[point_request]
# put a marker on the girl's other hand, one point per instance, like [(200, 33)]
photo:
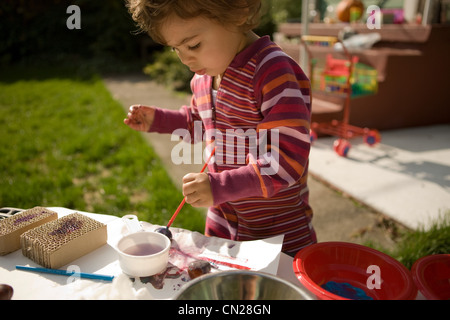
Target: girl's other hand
[(140, 118)]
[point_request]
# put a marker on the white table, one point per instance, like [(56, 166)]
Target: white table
[(30, 285)]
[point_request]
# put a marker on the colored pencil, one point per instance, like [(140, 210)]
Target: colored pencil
[(67, 273)]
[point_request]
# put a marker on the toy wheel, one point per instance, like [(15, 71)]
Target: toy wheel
[(372, 137), (312, 136), (341, 147)]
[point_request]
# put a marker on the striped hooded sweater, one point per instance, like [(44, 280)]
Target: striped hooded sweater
[(259, 123)]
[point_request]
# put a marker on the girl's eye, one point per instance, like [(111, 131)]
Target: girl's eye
[(194, 47)]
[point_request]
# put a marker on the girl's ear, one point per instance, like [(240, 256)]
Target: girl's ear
[(245, 17)]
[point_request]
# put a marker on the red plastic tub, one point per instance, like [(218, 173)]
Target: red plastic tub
[(352, 264), (432, 276)]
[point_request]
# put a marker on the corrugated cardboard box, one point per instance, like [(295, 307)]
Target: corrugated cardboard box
[(59, 242), (12, 227)]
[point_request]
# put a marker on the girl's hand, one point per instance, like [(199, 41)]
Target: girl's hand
[(197, 190), (140, 118)]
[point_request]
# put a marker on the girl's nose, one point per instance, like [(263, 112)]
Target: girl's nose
[(186, 58)]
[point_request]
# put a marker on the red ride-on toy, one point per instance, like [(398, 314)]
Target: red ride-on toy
[(344, 132), (331, 93)]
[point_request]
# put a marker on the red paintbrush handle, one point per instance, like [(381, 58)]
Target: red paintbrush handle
[(184, 199), (176, 212)]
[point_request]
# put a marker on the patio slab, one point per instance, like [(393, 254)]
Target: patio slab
[(406, 176)]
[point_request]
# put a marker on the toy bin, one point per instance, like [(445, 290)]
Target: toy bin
[(432, 276), (377, 275), (364, 80)]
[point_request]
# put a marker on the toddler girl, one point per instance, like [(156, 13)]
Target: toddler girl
[(253, 104)]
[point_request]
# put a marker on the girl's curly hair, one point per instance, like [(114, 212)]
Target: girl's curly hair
[(151, 14)]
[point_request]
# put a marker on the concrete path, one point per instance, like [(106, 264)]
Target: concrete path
[(406, 176)]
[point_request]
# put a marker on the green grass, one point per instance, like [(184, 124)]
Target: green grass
[(63, 143), (412, 245), (416, 244)]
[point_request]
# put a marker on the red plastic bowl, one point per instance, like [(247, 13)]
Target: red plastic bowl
[(345, 262), (432, 276)]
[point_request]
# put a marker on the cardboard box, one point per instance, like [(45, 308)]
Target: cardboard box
[(59, 242), (12, 227)]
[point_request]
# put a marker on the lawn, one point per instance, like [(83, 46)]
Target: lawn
[(415, 244), (63, 143)]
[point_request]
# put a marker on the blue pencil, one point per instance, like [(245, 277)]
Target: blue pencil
[(67, 273)]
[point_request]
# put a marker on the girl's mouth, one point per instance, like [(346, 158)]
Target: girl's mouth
[(200, 72)]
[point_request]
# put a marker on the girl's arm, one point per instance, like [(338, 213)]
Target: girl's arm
[(283, 91), (168, 121)]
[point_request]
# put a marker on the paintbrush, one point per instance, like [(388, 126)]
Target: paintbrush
[(165, 230)]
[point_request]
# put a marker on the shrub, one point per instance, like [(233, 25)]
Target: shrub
[(167, 69), (36, 30)]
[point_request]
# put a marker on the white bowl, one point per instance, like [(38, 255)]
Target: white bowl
[(146, 264)]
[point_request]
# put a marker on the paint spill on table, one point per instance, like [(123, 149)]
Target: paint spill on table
[(180, 256)]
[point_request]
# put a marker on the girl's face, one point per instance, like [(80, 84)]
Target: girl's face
[(205, 46)]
